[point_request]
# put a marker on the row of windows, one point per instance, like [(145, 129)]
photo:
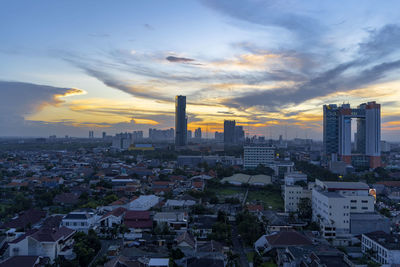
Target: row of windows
[(75, 224)]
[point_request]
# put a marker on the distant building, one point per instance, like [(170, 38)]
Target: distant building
[(219, 137), (104, 135), (255, 155), (337, 133), (180, 121), (161, 135), (189, 134), (385, 146), (137, 136), (197, 134), (91, 134), (239, 135), (229, 132)]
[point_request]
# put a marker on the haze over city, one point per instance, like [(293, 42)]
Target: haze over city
[(68, 67)]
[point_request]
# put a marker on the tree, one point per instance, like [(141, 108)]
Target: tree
[(305, 208), (249, 227), (221, 232), (86, 246), (176, 254)]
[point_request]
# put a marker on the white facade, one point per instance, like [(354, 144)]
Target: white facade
[(292, 196), (255, 155), (30, 246), (79, 220), (383, 252), (293, 177), (332, 203)]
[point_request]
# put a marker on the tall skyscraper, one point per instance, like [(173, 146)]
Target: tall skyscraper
[(197, 133), (91, 134), (180, 121), (229, 132), (337, 133), (239, 135)]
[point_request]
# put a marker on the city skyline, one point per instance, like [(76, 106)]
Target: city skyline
[(71, 67)]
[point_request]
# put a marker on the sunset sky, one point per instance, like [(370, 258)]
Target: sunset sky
[(67, 67)]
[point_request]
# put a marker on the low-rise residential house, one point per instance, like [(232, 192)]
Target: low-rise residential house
[(275, 222), (162, 187), (315, 255), (46, 242), (175, 220), (24, 261), (137, 222), (80, 220), (201, 262), (282, 239), (114, 217), (25, 219), (202, 225), (198, 184), (382, 247), (122, 261), (178, 204), (66, 199), (186, 241), (144, 202)]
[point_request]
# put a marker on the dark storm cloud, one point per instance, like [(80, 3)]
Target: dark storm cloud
[(19, 99)]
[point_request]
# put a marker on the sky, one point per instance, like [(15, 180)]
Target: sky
[(70, 66)]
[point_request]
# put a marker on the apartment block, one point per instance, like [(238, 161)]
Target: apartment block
[(333, 202)]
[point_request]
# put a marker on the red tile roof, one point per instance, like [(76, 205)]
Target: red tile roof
[(288, 238), (117, 212), (139, 224), (31, 216), (255, 207), (390, 183), (136, 215)]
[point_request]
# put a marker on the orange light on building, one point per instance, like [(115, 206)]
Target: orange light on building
[(372, 192)]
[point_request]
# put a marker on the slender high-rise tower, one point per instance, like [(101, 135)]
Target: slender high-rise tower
[(180, 121), (229, 132)]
